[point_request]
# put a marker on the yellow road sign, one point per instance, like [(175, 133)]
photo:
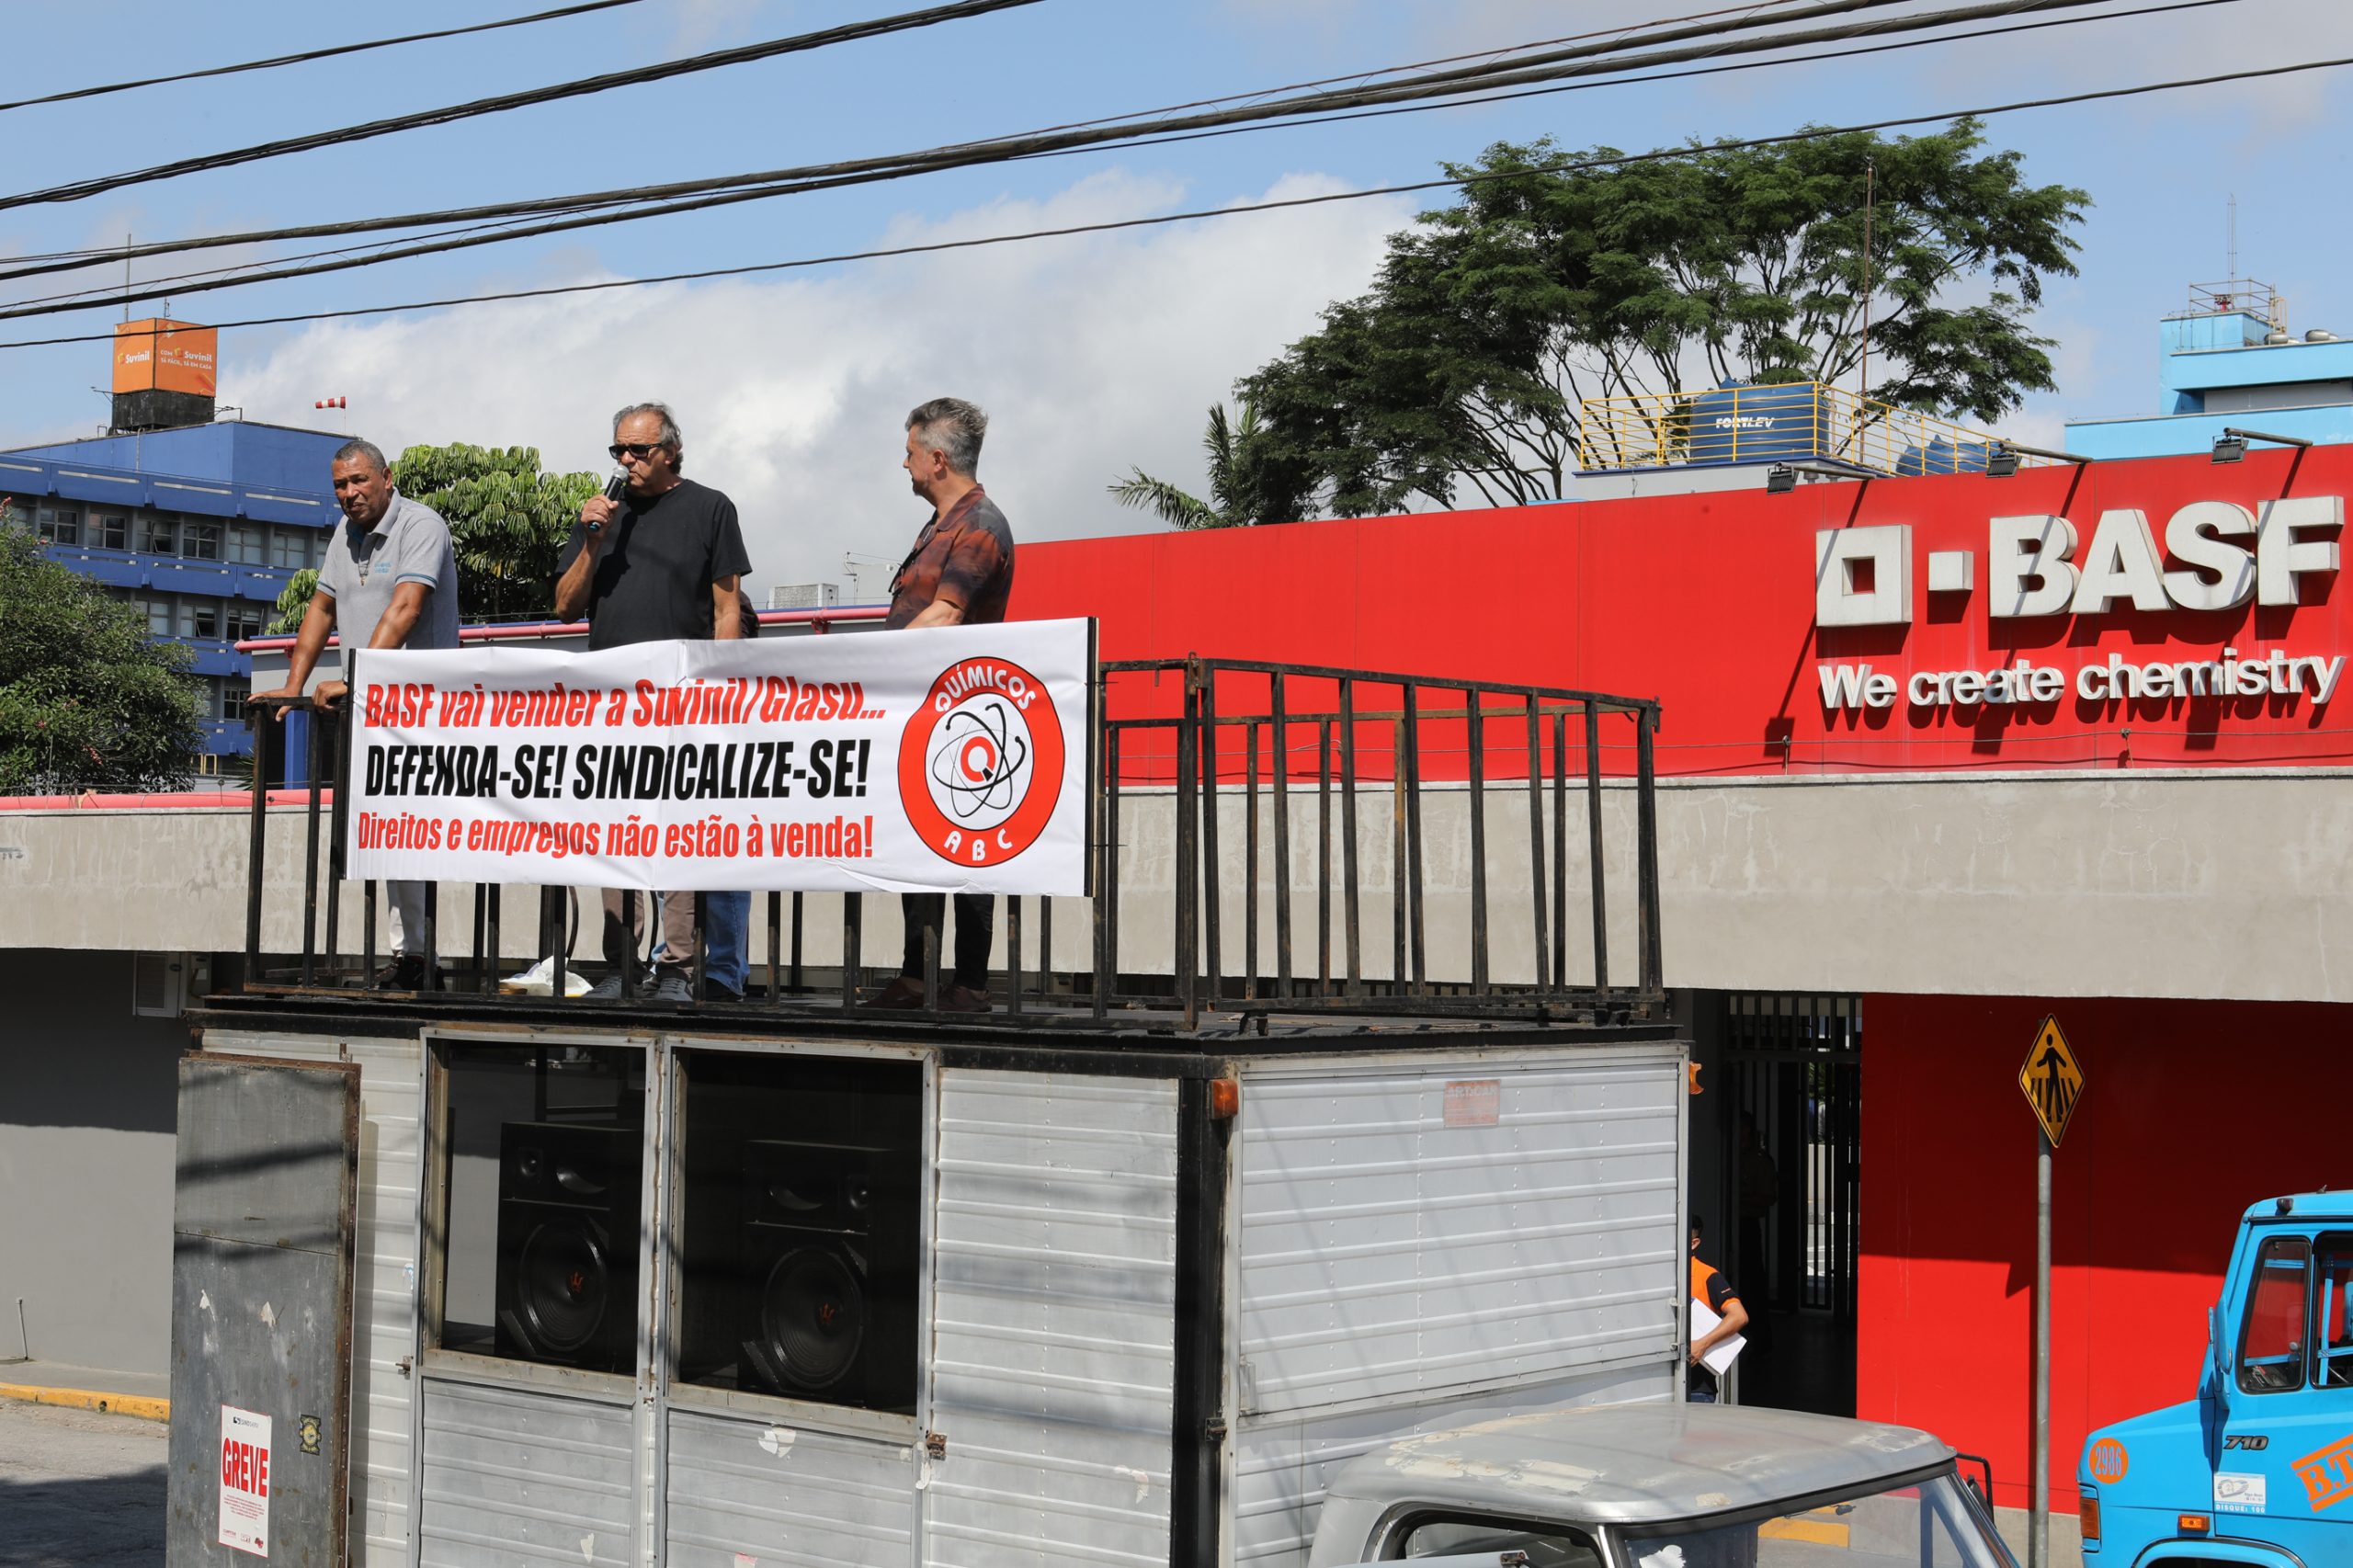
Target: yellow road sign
[(2052, 1081)]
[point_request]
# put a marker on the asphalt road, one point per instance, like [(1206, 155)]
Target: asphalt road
[(79, 1489)]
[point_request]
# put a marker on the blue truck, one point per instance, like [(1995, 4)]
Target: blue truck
[(2259, 1468)]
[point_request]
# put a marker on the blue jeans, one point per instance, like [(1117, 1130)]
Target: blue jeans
[(728, 943)]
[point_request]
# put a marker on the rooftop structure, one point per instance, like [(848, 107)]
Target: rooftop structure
[(2228, 361), (1717, 440)]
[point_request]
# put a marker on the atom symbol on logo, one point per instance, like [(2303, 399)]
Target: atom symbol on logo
[(977, 759)]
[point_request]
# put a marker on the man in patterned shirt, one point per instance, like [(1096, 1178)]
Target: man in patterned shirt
[(958, 574)]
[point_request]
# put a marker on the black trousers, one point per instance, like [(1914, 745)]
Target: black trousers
[(975, 934)]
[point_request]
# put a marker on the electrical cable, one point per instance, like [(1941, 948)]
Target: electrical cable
[(329, 52), (1751, 9), (1558, 63), (640, 194), (1162, 220), (636, 76), (109, 295)]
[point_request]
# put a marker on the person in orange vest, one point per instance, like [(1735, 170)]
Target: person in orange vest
[(1710, 1288)]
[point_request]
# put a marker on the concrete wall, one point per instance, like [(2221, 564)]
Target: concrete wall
[(87, 1110), (2223, 883)]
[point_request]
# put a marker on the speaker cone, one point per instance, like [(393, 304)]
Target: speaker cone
[(812, 1316), (566, 1278)]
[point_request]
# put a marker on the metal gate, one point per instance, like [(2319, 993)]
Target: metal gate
[(263, 1225), (1792, 1168)]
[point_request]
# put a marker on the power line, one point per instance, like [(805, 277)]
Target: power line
[(635, 75), (328, 53), (114, 253), (109, 295), (642, 201), (1162, 220), (1750, 9)]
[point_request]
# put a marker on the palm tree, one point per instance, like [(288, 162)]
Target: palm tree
[(1236, 497)]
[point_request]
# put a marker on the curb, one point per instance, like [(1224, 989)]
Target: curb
[(145, 1407)]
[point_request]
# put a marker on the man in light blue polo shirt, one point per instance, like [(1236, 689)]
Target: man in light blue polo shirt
[(390, 580)]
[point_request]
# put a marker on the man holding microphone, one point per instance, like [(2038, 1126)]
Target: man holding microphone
[(659, 561)]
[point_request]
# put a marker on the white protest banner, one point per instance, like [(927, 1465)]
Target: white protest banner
[(952, 759)]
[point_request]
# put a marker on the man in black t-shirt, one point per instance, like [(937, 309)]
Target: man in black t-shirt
[(660, 562)]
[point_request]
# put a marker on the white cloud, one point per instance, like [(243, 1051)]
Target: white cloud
[(1091, 353)]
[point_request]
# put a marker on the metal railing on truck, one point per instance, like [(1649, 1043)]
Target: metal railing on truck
[(1217, 739)]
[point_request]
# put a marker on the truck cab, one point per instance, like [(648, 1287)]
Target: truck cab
[(2259, 1468)]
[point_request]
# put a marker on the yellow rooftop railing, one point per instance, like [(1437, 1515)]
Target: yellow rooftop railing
[(1786, 422)]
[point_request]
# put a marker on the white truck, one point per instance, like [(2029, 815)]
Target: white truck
[(1661, 1486), (665, 1291)]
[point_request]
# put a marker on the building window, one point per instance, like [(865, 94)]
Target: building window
[(242, 621), (58, 525), (801, 1227), (290, 549), (159, 536), (110, 530), (200, 541), (200, 617), (159, 615), (539, 1180), (249, 544), (233, 699)]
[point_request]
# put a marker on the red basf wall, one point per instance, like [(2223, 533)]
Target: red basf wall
[(2166, 1149), (1708, 602)]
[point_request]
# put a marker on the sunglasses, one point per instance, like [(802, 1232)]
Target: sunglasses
[(621, 449)]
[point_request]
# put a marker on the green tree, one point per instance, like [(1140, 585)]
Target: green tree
[(87, 700), (293, 603), (1494, 317), (1244, 488), (508, 521)]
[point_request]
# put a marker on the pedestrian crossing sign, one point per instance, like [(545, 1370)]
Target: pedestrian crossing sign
[(2052, 1081)]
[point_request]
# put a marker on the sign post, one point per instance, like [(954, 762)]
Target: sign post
[(2053, 1085)]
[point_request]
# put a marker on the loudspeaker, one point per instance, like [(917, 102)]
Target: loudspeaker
[(568, 1201), (827, 1262)]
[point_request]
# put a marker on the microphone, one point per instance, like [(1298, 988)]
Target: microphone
[(614, 489)]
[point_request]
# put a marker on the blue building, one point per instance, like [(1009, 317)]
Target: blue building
[(201, 527), (2229, 360)]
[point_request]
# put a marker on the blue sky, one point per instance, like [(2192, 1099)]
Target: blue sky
[(1093, 353)]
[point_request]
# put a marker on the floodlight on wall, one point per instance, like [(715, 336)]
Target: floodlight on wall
[(1783, 477), (2230, 444), (2002, 462)]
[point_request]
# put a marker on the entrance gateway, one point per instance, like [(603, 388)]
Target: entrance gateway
[(1120, 1276)]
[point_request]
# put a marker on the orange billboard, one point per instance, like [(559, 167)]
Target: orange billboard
[(166, 356)]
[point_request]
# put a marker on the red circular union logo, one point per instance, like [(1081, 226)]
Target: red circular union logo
[(981, 762)]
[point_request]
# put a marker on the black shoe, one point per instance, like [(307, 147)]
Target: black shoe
[(405, 973), (670, 985), (902, 995), (606, 990), (723, 992), (965, 999)]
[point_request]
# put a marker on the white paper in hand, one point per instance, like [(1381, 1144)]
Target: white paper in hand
[(1704, 1319)]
